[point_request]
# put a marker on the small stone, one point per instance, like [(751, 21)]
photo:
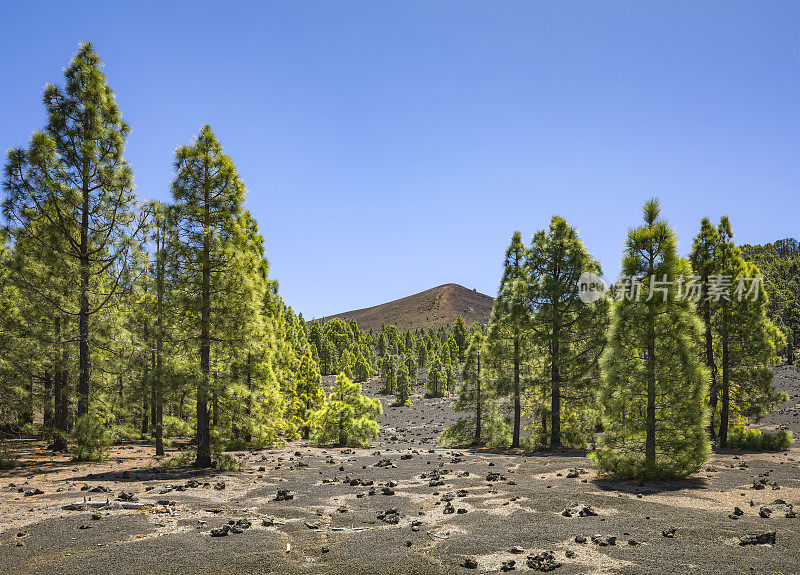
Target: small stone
[(509, 565), (469, 563), (767, 538)]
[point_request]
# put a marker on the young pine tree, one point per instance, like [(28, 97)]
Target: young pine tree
[(654, 383), (388, 375), (507, 330), (703, 258), (436, 379), (411, 366), (483, 425), (361, 369), (748, 341), (310, 395), (460, 337), (348, 416), (403, 385)]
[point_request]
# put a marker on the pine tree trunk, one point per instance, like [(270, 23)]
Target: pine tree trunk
[(478, 402), (145, 394), (724, 412), (47, 399), (650, 440), (26, 414), (555, 393), (60, 388), (517, 403), (248, 409), (153, 389), (84, 364), (203, 428), (159, 402), (158, 374), (712, 366)]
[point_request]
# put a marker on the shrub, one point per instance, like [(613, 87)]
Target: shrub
[(177, 427), (495, 432), (742, 438), (226, 462), (348, 416), (30, 430), (91, 439), (123, 433), (7, 459), (185, 459)]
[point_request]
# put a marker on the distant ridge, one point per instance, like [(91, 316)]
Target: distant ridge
[(431, 308)]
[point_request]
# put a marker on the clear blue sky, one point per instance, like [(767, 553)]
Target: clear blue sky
[(389, 147)]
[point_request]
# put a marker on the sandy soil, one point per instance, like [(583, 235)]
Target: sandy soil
[(337, 522)]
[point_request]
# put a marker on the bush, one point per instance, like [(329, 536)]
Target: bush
[(226, 462), (7, 459), (91, 439), (495, 432), (185, 459), (123, 433), (177, 427), (348, 416), (30, 430), (743, 438)]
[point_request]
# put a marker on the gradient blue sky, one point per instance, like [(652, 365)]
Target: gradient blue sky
[(389, 147)]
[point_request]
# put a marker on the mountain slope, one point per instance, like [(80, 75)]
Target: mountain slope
[(431, 308)]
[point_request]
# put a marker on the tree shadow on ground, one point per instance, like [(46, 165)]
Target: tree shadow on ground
[(541, 453), (634, 487)]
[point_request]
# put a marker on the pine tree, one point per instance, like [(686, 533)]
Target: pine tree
[(74, 179), (654, 383), (388, 375), (508, 326), (310, 394), (569, 331), (703, 264), (460, 337), (383, 344), (422, 352), (361, 369), (348, 416), (436, 379), (483, 425), (205, 220), (748, 341), (403, 385), (411, 366)]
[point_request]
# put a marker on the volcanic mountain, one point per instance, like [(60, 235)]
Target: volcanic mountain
[(431, 308)]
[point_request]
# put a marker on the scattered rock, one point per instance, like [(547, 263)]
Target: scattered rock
[(579, 510), (545, 561), (509, 565), (767, 538), (284, 495)]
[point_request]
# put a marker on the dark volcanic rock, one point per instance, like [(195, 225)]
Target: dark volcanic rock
[(767, 538), (579, 510), (544, 561)]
